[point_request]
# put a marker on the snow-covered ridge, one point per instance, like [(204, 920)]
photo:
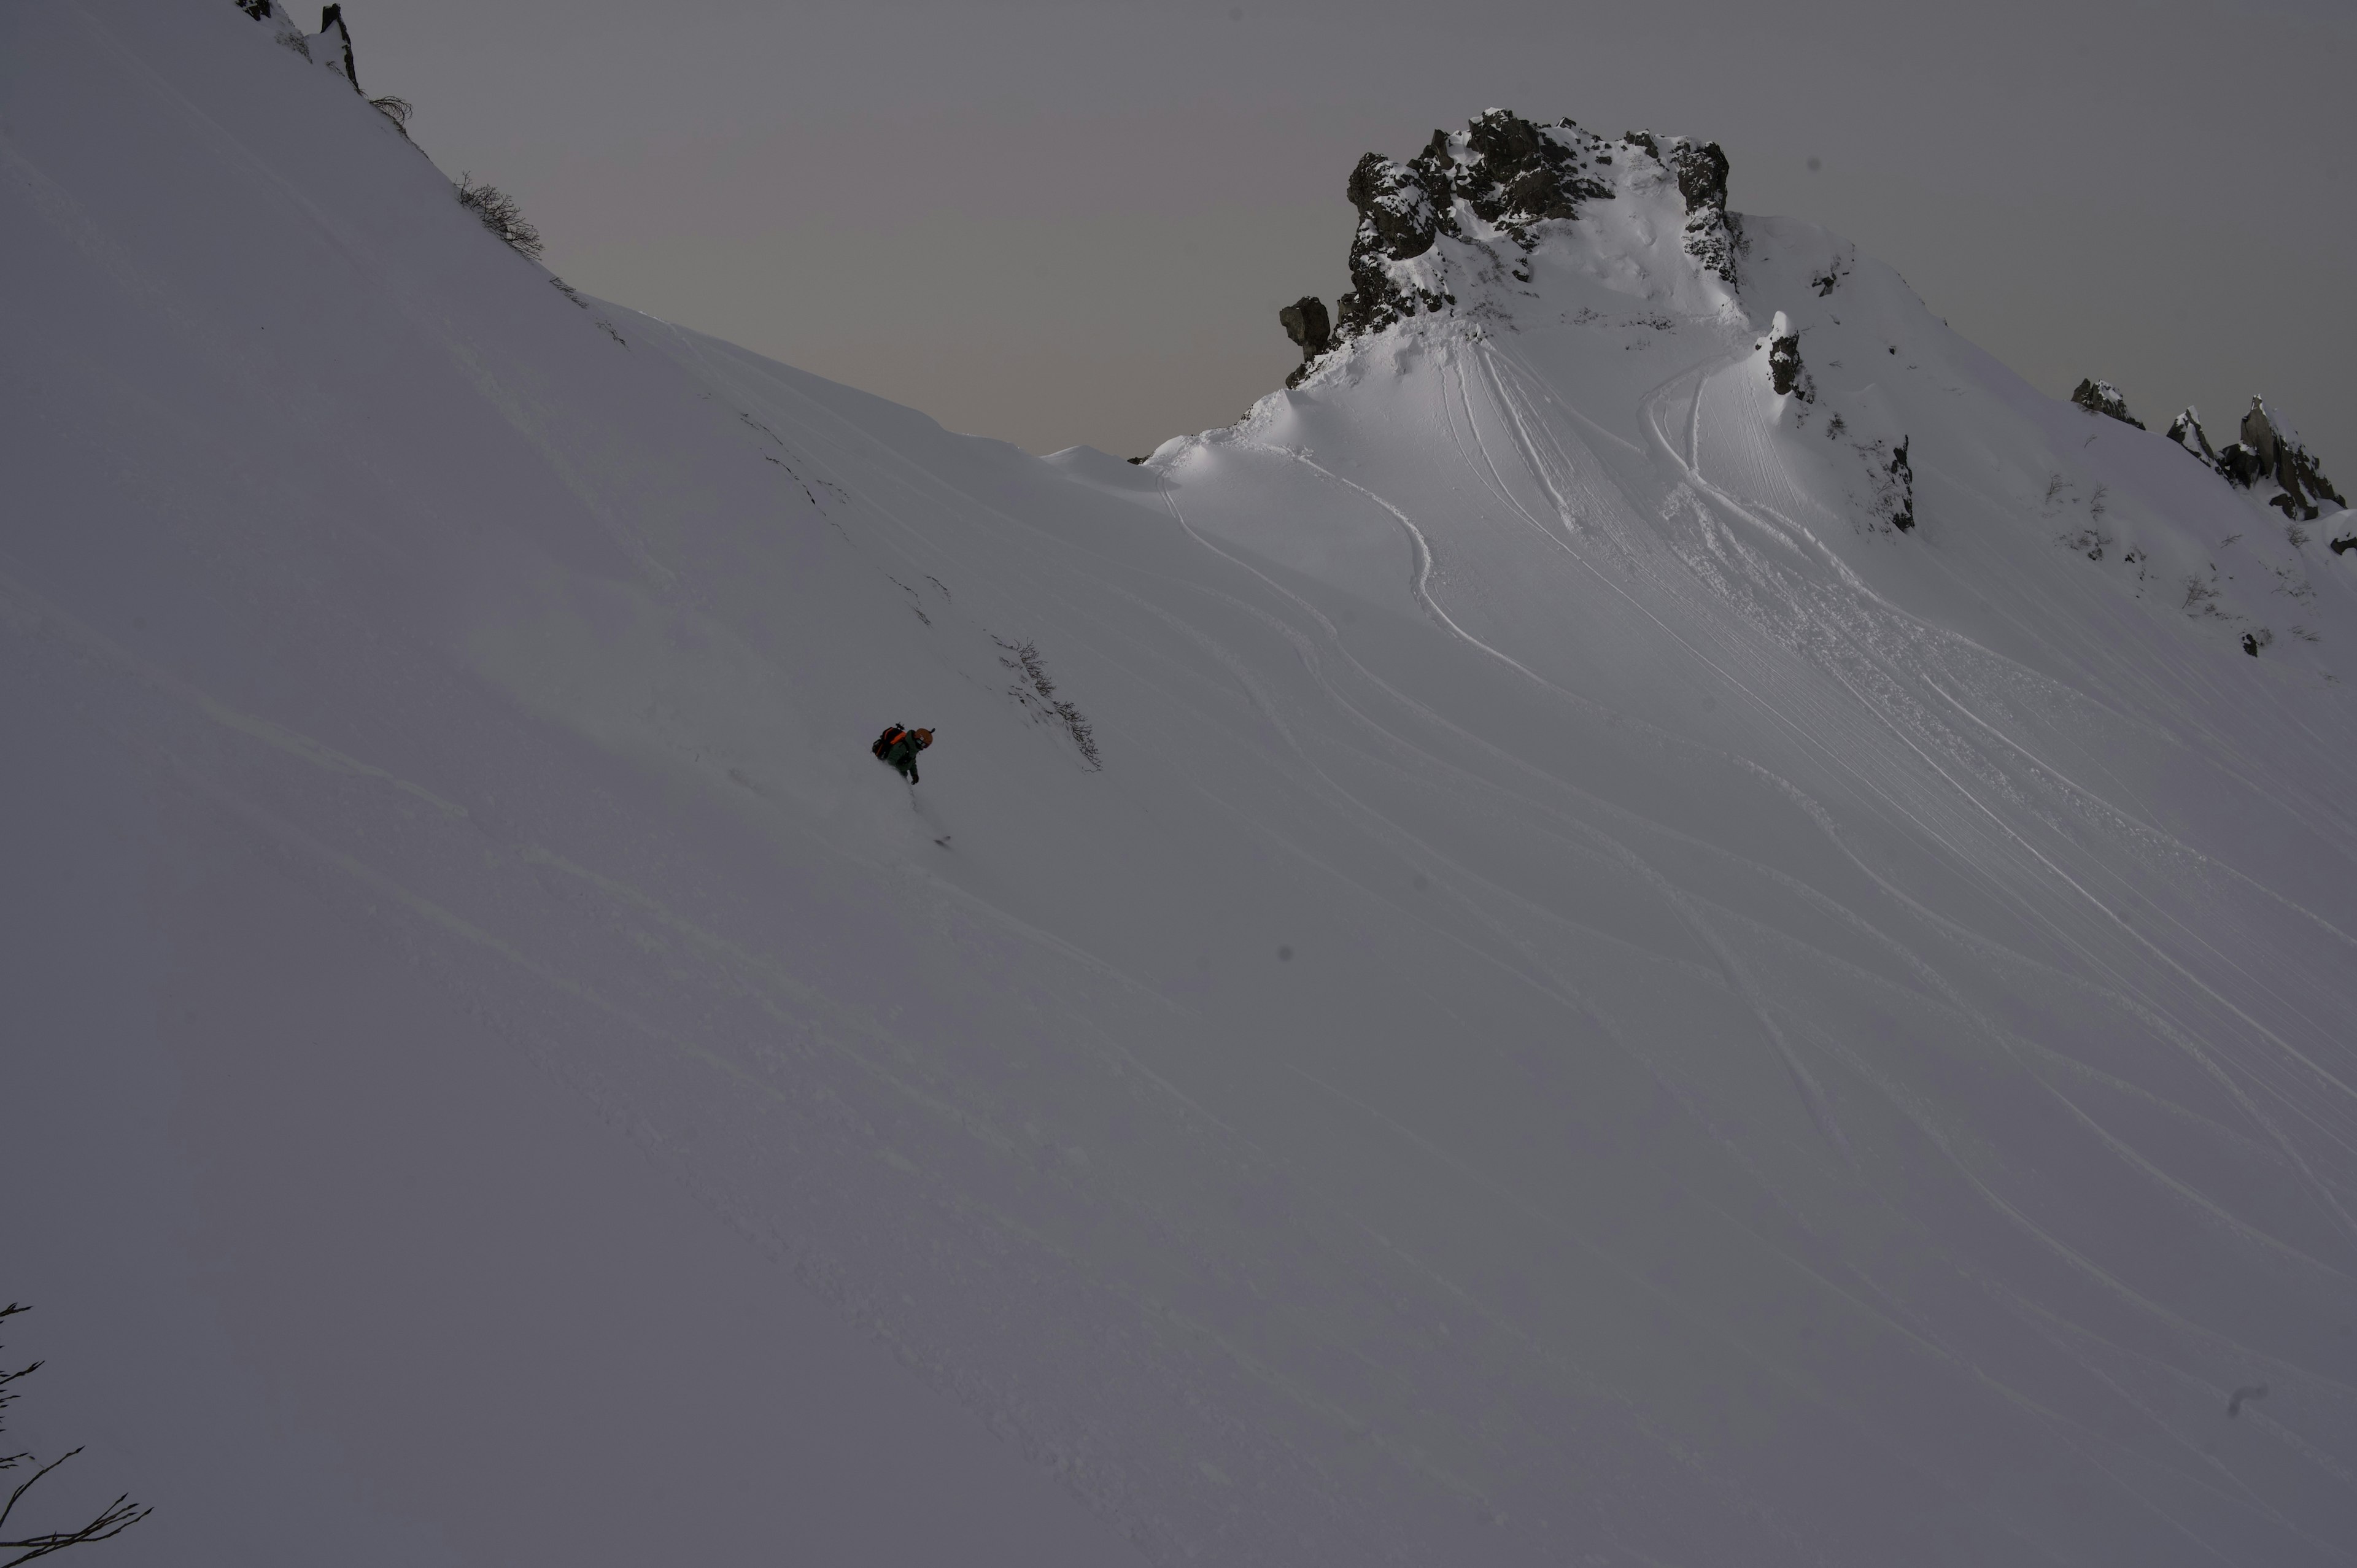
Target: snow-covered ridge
[(1578, 249)]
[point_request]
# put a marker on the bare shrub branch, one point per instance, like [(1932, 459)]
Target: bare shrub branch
[(114, 1519), (501, 214)]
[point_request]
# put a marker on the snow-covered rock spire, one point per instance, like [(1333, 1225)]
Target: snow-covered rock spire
[(332, 45), (2187, 432), (2271, 453)]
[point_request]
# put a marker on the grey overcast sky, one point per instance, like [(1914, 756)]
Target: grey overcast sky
[(1059, 222)]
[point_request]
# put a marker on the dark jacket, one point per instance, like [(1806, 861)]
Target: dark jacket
[(902, 754)]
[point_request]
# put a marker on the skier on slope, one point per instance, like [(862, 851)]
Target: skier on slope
[(899, 746)]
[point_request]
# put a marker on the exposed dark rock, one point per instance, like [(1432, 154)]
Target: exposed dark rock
[(1511, 174), (1785, 371), (335, 35), (1714, 235), (2339, 546), (2187, 432), (1306, 323), (2101, 397), (1397, 223), (1396, 210), (1520, 174), (257, 9), (1902, 473), (2269, 452)]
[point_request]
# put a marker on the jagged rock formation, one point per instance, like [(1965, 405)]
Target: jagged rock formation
[(332, 45), (1398, 221), (2271, 452), (1713, 234), (2187, 432), (1305, 321), (2101, 397), (1499, 181)]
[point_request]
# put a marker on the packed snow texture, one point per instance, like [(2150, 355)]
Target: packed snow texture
[(1606, 1001)]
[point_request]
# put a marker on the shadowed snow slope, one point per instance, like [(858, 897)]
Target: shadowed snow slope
[(1610, 1002)]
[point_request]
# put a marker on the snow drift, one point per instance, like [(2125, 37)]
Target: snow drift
[(1659, 918)]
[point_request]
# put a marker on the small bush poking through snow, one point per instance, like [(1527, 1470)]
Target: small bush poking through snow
[(397, 110), (500, 213), (1042, 701)]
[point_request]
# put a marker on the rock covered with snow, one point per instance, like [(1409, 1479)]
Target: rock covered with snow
[(1785, 371), (2101, 397), (332, 45), (1494, 193), (2187, 432), (2271, 453)]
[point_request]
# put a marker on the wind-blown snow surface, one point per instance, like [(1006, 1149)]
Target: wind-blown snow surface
[(1603, 1006)]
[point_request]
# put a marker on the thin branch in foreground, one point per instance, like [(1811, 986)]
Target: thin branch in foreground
[(113, 1520)]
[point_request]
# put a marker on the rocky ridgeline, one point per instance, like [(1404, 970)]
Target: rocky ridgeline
[(2270, 454), (1496, 181)]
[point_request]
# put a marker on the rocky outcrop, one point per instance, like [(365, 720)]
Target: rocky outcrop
[(1305, 321), (1714, 235), (1785, 371), (332, 45), (2271, 453), (1398, 221), (2187, 432), (1519, 175), (1502, 178), (1902, 480), (2101, 397)]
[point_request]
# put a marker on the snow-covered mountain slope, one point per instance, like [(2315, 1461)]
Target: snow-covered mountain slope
[(1493, 965)]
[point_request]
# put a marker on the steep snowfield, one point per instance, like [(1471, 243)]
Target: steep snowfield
[(1604, 1004)]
